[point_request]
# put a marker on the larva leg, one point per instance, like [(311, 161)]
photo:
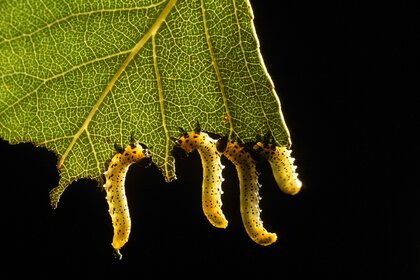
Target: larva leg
[(282, 166), (249, 197), (212, 174), (115, 192)]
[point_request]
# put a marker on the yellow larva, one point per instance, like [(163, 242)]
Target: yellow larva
[(282, 166), (115, 192), (212, 174), (249, 197)]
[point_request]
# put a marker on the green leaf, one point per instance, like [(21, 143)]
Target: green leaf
[(78, 77)]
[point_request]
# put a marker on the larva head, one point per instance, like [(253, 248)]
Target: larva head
[(263, 149), (188, 141), (221, 144), (134, 152)]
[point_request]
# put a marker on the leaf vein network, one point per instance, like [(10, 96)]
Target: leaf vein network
[(73, 15)]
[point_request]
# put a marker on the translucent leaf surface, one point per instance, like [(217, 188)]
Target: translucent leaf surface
[(78, 77)]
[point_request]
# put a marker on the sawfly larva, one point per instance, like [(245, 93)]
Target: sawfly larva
[(212, 174), (281, 163), (115, 192), (249, 193)]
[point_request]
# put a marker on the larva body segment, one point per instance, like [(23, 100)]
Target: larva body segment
[(249, 194), (115, 191), (212, 174), (282, 166)]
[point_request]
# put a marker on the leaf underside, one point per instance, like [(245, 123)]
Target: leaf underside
[(78, 77)]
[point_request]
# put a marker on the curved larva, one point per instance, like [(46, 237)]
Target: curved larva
[(212, 174), (249, 197), (115, 192), (282, 166)]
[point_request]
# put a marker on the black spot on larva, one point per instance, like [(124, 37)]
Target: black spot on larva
[(197, 128), (144, 148), (118, 148)]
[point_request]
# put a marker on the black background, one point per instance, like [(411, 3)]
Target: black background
[(357, 216)]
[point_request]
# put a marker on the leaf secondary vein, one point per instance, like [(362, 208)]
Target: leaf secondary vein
[(216, 69), (254, 83), (92, 145), (56, 76), (66, 18), (161, 106), (140, 44)]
